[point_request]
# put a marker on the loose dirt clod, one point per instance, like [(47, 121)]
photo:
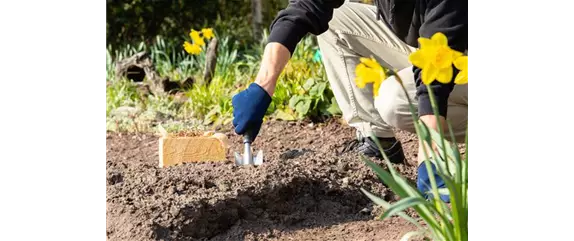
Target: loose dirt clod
[(312, 196)]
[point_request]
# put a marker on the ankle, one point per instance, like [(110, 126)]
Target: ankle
[(360, 136)]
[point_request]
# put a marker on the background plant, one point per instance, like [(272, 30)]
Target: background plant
[(302, 90)]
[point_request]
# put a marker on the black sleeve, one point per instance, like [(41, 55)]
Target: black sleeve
[(449, 17), (299, 18)]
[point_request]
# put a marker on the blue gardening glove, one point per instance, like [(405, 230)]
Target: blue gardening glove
[(424, 185), (249, 107)]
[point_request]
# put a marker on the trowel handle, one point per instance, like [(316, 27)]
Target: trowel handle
[(248, 136)]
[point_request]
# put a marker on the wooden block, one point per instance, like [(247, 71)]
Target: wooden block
[(176, 150)]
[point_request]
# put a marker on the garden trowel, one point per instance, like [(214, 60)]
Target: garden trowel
[(247, 158)]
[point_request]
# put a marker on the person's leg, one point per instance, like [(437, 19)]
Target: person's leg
[(354, 32)]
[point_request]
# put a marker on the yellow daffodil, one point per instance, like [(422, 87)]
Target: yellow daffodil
[(369, 71), (194, 35), (376, 86), (207, 33), (191, 48), (461, 63), (435, 58), (361, 71)]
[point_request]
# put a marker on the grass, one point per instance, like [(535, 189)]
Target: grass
[(302, 90)]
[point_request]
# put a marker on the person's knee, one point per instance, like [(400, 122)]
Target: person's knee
[(394, 115), (386, 110), (392, 104), (386, 103)]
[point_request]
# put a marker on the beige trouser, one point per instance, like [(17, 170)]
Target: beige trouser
[(354, 32)]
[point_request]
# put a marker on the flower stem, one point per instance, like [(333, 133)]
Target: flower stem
[(440, 130), (417, 129)]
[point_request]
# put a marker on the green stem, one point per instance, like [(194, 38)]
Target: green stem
[(439, 125), (425, 151), (426, 155)]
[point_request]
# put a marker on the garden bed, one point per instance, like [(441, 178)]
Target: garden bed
[(305, 190)]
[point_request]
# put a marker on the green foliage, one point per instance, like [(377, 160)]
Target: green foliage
[(310, 99), (302, 90), (212, 103), (442, 222), (120, 93)]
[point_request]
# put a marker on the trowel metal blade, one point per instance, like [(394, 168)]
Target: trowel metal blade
[(258, 160), (238, 159)]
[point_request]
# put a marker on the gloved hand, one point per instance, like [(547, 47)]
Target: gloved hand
[(424, 184), (249, 107)]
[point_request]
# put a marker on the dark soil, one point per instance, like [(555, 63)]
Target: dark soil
[(305, 190)]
